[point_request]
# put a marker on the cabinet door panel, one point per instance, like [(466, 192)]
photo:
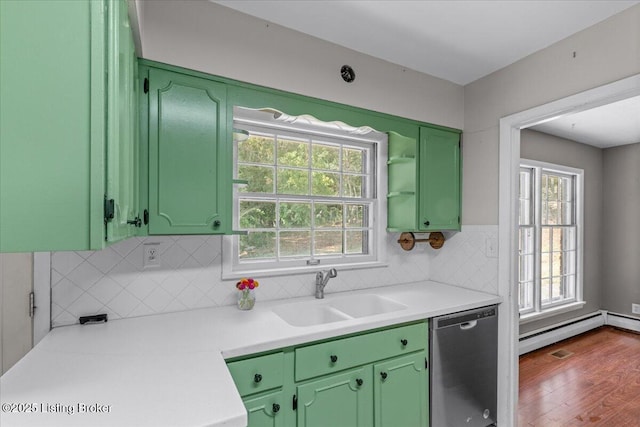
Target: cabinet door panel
[(265, 411), (439, 185), (122, 161), (400, 394), (187, 126), (337, 400), (51, 125)]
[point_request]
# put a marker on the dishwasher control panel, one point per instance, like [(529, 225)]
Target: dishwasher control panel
[(457, 318)]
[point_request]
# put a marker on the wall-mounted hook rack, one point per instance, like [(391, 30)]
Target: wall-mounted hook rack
[(408, 240)]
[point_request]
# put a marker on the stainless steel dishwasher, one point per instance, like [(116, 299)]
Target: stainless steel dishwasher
[(464, 367)]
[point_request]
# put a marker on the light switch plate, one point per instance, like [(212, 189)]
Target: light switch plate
[(151, 255), (491, 247), (635, 308)]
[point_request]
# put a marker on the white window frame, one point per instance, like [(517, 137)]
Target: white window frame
[(538, 311), (322, 131)]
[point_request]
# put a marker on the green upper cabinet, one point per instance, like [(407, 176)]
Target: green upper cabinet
[(65, 69), (439, 180), (424, 181), (122, 140), (189, 155)]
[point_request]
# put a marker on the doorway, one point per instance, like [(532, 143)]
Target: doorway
[(509, 167)]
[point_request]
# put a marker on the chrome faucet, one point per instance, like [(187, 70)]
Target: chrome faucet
[(322, 277)]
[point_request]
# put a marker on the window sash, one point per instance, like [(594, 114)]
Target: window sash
[(365, 174), (556, 243)]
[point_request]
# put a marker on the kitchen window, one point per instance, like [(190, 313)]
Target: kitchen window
[(550, 238), (305, 193)]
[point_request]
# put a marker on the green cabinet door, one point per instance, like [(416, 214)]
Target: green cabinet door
[(265, 411), (439, 180), (340, 400), (189, 167), (400, 392), (60, 112), (122, 159)]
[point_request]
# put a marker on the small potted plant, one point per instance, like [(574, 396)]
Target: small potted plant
[(246, 296)]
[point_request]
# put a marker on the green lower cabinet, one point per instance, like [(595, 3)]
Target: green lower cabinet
[(370, 379), (340, 400), (266, 411), (401, 392)]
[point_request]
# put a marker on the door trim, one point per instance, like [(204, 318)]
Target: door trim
[(509, 166)]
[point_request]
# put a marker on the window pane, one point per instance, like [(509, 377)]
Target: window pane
[(525, 295), (293, 152), (567, 213), (257, 149), (352, 186), (327, 242), (357, 242), (553, 213), (325, 184), (525, 213), (353, 160), (327, 215), (260, 179), (569, 265), (556, 288), (568, 238), (257, 244), (325, 157), (295, 243), (357, 216), (556, 266), (257, 214), (295, 215), (545, 291), (293, 181), (545, 264)]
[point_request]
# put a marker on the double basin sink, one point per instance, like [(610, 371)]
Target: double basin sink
[(318, 312)]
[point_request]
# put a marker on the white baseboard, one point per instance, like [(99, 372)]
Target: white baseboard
[(546, 336), (623, 321), (552, 334)]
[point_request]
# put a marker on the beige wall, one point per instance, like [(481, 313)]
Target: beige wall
[(621, 229), (211, 38), (548, 148), (604, 53)]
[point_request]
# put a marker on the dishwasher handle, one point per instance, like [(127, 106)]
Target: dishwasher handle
[(468, 325)]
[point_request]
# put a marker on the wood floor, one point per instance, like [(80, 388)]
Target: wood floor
[(597, 385)]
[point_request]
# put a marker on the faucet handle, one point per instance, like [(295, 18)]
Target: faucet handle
[(332, 273)]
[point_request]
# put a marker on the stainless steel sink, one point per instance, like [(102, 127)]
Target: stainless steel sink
[(309, 313)]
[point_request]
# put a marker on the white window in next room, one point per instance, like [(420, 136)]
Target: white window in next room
[(550, 239)]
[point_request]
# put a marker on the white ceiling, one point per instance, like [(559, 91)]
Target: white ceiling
[(607, 126), (460, 41)]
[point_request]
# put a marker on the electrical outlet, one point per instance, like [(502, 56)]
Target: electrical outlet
[(151, 255), (635, 308)]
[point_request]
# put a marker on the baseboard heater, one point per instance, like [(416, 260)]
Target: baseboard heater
[(546, 336)]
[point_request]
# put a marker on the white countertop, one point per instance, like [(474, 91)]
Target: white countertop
[(169, 369)]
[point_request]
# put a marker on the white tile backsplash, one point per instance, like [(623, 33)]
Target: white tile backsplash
[(114, 281)]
